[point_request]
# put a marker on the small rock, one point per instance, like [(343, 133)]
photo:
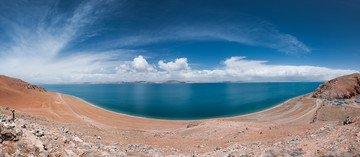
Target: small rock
[(86, 146), (70, 152), (236, 154), (77, 139), (99, 137), (8, 136), (40, 134), (66, 141), (9, 125), (19, 132), (105, 154), (296, 152)]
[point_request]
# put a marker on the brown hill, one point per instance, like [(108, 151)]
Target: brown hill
[(25, 97), (344, 87), (17, 84)]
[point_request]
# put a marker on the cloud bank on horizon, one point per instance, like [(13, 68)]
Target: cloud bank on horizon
[(233, 69), (80, 41)]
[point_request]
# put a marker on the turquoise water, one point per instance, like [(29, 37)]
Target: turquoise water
[(186, 101)]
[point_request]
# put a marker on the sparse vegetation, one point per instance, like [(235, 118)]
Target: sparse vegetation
[(347, 120)]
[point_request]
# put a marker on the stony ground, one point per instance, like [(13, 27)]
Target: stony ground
[(330, 140), (36, 136)]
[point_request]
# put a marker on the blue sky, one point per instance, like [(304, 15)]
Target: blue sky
[(106, 40)]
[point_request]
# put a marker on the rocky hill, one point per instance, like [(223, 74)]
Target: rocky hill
[(344, 87)]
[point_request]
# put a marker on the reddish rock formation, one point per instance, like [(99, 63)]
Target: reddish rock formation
[(344, 87), (13, 83)]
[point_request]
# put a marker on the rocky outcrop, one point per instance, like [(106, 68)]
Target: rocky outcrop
[(344, 87)]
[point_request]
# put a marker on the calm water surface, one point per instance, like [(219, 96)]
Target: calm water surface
[(186, 101)]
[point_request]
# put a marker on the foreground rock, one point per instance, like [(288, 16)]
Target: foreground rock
[(344, 87)]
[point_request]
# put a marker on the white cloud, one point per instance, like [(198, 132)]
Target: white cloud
[(234, 69), (137, 70), (248, 70), (141, 65), (179, 65), (138, 65)]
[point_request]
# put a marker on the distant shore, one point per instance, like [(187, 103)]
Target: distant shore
[(175, 82)]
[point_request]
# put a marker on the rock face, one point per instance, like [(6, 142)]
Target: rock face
[(344, 87)]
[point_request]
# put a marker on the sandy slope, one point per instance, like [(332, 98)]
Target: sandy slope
[(297, 116)]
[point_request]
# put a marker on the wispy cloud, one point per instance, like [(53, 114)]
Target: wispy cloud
[(255, 33), (33, 50)]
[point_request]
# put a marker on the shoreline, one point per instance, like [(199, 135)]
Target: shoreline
[(158, 119), (276, 106)]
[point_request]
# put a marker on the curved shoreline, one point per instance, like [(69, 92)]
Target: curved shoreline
[(273, 107), (158, 119)]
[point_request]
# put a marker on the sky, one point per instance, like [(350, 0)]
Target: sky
[(66, 41)]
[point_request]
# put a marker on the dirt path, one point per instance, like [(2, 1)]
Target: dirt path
[(86, 119), (315, 109)]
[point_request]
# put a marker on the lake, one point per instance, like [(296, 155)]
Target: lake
[(187, 101)]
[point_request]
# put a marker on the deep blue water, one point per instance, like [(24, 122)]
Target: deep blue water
[(186, 101)]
